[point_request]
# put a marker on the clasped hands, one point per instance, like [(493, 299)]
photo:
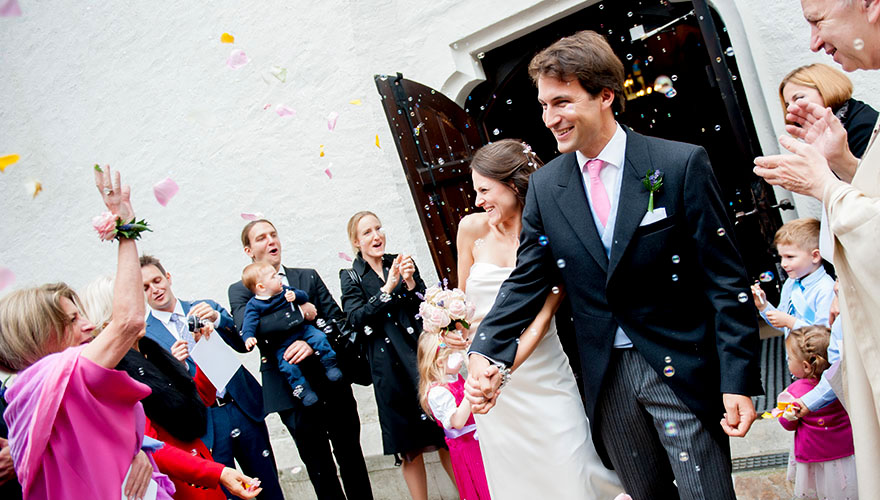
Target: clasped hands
[(483, 384), (809, 170)]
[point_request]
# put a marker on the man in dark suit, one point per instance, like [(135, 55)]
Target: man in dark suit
[(665, 332), (334, 419), (236, 422)]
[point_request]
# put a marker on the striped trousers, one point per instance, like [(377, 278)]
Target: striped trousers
[(653, 438)]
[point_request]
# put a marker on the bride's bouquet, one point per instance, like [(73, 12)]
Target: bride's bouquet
[(443, 310)]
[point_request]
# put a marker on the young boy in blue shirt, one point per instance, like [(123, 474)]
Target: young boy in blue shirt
[(271, 295), (807, 293)]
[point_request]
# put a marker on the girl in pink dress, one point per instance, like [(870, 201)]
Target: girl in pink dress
[(441, 393), (823, 465)]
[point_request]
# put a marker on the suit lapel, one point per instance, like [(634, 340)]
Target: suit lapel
[(633, 201), (157, 331), (572, 201)]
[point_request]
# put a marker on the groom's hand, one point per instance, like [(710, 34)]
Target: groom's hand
[(739, 413), (483, 384)]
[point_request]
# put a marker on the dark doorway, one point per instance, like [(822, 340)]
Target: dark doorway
[(682, 84)]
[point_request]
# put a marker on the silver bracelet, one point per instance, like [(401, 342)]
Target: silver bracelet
[(504, 371)]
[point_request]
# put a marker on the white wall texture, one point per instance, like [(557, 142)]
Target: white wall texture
[(144, 87)]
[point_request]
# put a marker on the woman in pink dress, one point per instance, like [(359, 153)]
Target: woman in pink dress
[(76, 425)]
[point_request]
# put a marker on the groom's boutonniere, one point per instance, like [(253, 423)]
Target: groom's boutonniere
[(653, 181)]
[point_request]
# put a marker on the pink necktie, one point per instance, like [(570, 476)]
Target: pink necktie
[(598, 195)]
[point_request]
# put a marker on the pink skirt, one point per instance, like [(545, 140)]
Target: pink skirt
[(467, 465), (831, 480)]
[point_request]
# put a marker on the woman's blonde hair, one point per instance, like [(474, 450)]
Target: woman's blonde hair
[(97, 302), (33, 324), (432, 366), (810, 344), (353, 227), (834, 87)]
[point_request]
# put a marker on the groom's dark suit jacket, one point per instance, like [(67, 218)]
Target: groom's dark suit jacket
[(696, 320)]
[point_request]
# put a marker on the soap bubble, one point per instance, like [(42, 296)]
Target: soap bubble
[(409, 330), (629, 14), (720, 231), (266, 453), (510, 101), (670, 428), (717, 128), (235, 433), (676, 259), (674, 277), (766, 277), (555, 290), (368, 330), (387, 340), (729, 51), (496, 132), (671, 93), (560, 263), (742, 297), (668, 359), (424, 417), (674, 78), (542, 240), (683, 456), (669, 371), (858, 44), (629, 57), (481, 55)]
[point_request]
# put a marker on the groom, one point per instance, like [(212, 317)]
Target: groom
[(667, 338)]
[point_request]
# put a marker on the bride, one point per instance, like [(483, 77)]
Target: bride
[(536, 440)]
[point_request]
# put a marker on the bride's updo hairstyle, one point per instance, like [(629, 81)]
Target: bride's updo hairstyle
[(509, 162)]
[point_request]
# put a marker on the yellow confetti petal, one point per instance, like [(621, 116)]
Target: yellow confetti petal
[(227, 38), (322, 151), (33, 188), (356, 102), (5, 161), (377, 142)]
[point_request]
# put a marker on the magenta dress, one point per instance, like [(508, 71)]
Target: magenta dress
[(464, 448), (74, 428)]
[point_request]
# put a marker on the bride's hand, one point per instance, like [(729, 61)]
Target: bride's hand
[(483, 384), (117, 198)]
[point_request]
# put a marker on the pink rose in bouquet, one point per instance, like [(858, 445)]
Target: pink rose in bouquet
[(105, 225)]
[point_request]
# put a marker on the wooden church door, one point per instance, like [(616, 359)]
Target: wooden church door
[(436, 140)]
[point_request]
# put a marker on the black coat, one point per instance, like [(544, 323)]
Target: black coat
[(277, 393), (696, 319), (390, 332), (174, 404), (858, 119)]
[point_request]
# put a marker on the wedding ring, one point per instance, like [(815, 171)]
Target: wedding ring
[(108, 191)]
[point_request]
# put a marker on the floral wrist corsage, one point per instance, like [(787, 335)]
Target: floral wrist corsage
[(109, 226)]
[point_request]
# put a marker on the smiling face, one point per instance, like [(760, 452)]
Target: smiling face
[(370, 237), (157, 288), (579, 121), (835, 28), (496, 198), (798, 262), (795, 92), (264, 245), (79, 329)]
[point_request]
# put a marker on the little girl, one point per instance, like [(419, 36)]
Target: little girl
[(441, 393), (823, 465)]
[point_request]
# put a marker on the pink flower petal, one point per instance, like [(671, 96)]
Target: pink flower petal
[(237, 59), (267, 107), (345, 256), (283, 110), (331, 120), (329, 174), (252, 216), (7, 277), (9, 8), (164, 190)]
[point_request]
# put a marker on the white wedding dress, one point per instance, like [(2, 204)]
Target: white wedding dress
[(536, 440)]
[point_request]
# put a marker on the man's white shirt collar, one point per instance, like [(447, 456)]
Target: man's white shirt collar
[(165, 316), (612, 154)]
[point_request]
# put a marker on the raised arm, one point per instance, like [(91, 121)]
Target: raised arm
[(127, 323)]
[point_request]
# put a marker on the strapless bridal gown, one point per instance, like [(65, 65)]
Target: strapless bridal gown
[(536, 440)]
